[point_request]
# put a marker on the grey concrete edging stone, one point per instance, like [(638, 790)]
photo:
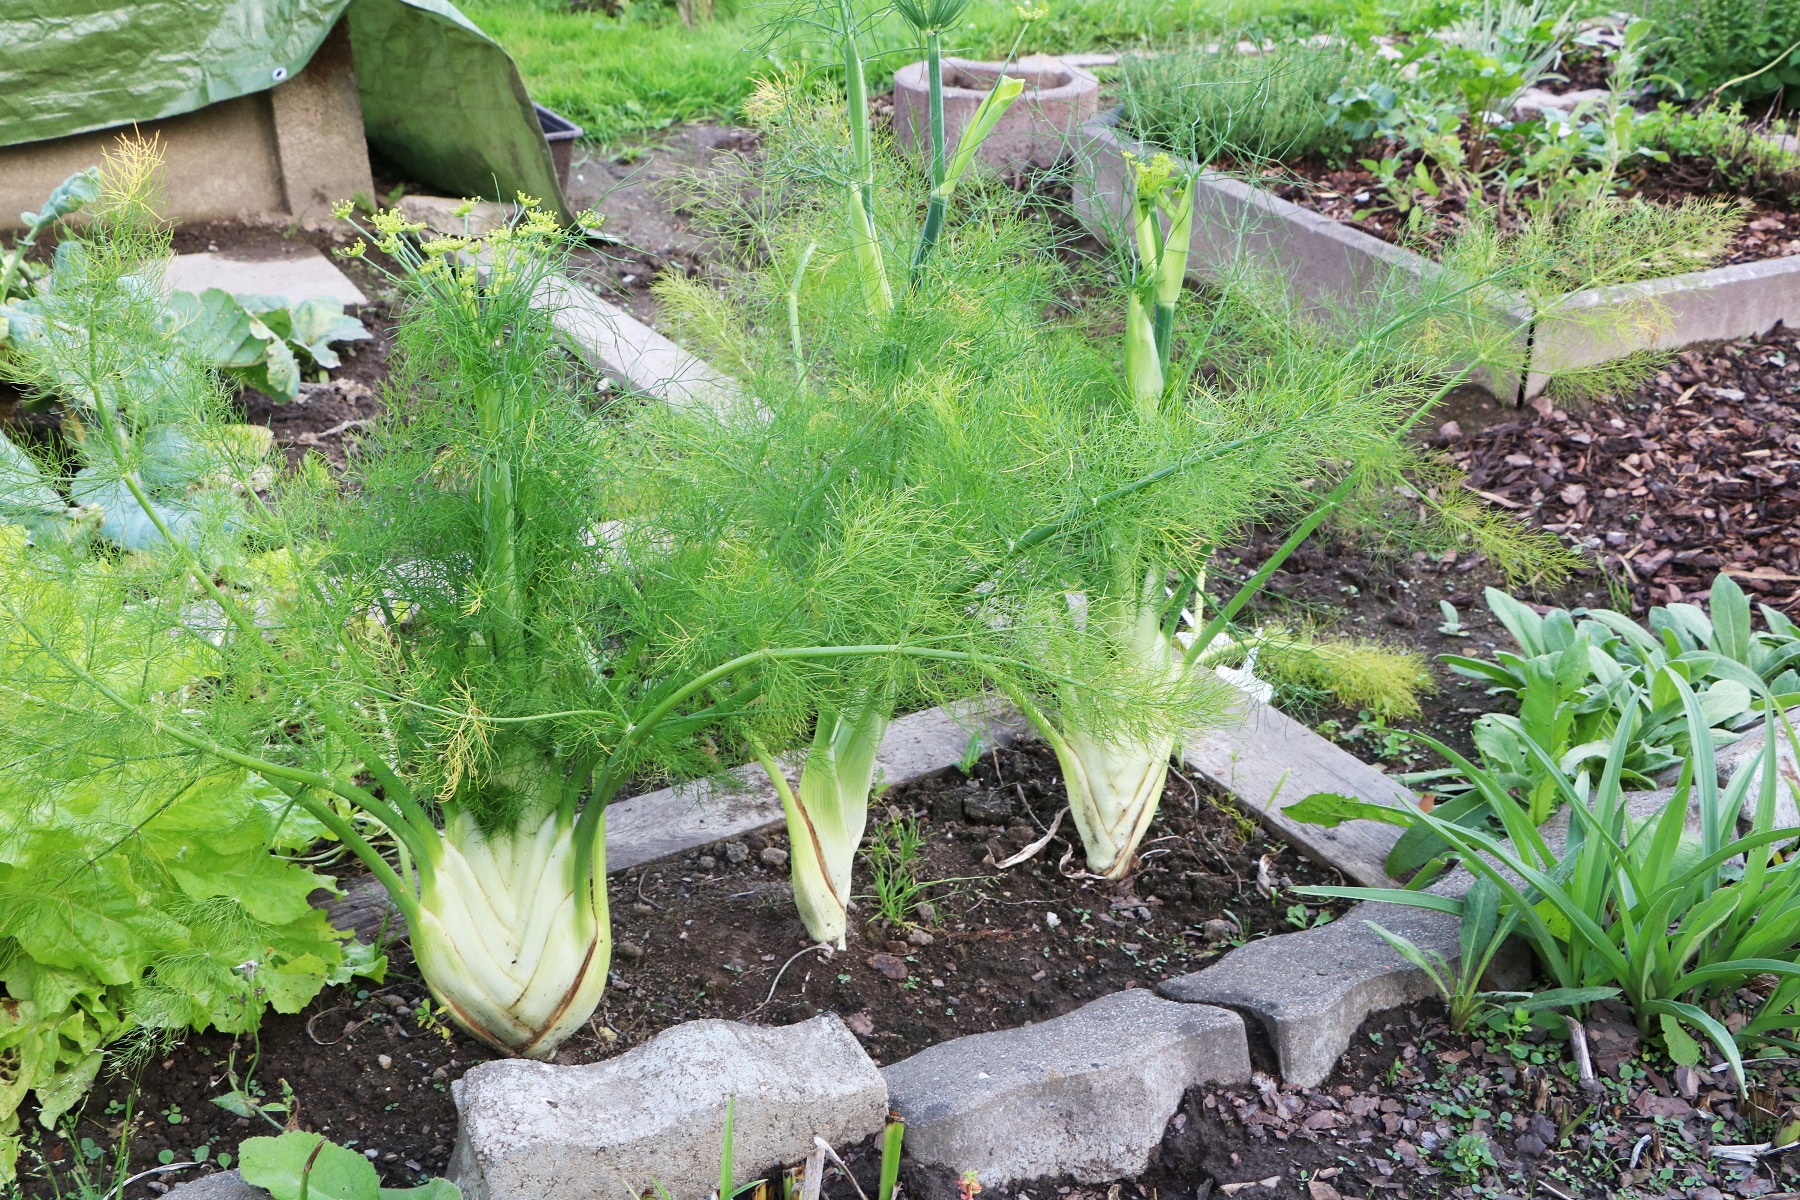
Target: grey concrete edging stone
[(1087, 1094), (630, 353), (1059, 96), (656, 1114), (220, 1185), (1311, 990), (1334, 267)]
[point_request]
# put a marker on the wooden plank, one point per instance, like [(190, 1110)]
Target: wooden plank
[(1269, 761)]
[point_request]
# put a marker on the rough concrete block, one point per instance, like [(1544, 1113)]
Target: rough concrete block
[(219, 162), (1311, 990), (1087, 1094), (220, 1185), (1598, 325), (319, 131), (534, 1131), (299, 273), (1035, 132)]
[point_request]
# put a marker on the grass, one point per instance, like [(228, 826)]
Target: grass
[(645, 70)]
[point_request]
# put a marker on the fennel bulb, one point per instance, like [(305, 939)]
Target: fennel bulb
[(512, 934)]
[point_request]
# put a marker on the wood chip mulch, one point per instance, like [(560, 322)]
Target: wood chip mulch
[(1695, 473)]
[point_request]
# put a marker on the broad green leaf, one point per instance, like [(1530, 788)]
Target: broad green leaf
[(331, 1172), (1682, 1048), (291, 986), (1331, 810), (435, 1189), (319, 322), (218, 328), (23, 488), (1730, 619)]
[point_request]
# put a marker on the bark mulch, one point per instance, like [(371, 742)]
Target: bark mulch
[(1696, 473), (1415, 1110)]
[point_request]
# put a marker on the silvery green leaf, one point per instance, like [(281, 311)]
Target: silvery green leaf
[(218, 328), (23, 488), (319, 322), (123, 519)]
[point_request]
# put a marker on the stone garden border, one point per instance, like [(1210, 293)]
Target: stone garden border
[(1335, 267), (1087, 1094)]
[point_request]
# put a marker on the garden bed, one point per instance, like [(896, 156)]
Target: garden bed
[(715, 934), (1694, 473), (1352, 195)]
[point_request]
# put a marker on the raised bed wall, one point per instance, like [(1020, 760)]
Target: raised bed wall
[(1334, 268)]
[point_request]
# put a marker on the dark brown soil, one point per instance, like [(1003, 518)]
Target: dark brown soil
[(715, 934), (325, 417), (705, 937), (1352, 195)]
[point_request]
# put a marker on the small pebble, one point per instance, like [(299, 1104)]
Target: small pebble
[(707, 862), (775, 857), (919, 937), (629, 951), (736, 853), (1051, 920), (440, 1075), (1218, 930), (383, 1061)]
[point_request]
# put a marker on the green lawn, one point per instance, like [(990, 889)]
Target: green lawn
[(622, 76)]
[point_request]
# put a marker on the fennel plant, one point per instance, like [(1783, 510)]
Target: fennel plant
[(507, 611)]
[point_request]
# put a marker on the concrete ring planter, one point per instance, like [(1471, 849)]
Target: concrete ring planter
[(1333, 266), (1035, 132)]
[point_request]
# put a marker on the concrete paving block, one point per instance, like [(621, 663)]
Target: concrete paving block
[(1035, 132), (632, 354), (1087, 1094), (656, 1114), (1311, 990), (301, 274)]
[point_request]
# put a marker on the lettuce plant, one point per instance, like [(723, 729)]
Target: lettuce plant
[(139, 897)]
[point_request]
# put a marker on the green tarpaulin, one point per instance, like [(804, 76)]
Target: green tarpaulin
[(441, 100)]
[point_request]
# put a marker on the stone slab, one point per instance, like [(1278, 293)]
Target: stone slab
[(220, 1185), (632, 354), (1312, 989), (301, 274), (1087, 1094), (1270, 761), (656, 1114)]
